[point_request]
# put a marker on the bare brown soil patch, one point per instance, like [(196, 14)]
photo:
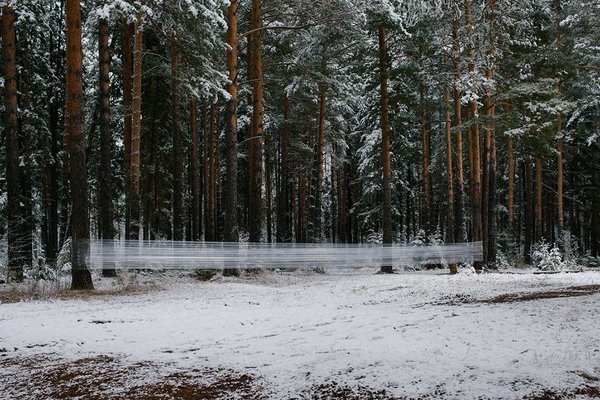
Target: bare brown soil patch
[(334, 390), (573, 291), (106, 377), (590, 392)]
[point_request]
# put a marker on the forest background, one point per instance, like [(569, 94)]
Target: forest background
[(344, 121)]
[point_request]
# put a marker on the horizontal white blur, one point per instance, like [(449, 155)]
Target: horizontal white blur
[(134, 254)]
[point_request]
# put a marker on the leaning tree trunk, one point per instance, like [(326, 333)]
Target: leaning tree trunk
[(255, 145), (136, 130), (75, 144), (385, 146), (14, 213), (105, 179)]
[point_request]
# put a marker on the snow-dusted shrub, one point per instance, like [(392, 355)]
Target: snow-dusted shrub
[(400, 238), (375, 237), (437, 238), (501, 260), (509, 246), (466, 269), (244, 237), (590, 261), (63, 260), (420, 239), (547, 257), (570, 249)]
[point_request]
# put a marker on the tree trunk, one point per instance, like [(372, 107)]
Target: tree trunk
[(14, 211), (136, 130), (268, 189), (385, 146), (595, 218), (426, 207), (489, 203), (211, 177), (459, 233), (319, 158), (105, 208), (283, 204), (152, 226), (302, 206), (348, 197), (474, 146), (218, 184), (178, 214), (255, 143), (538, 198), (511, 178), (231, 145), (491, 216), (206, 169), (449, 171), (195, 175), (127, 65), (27, 225), (528, 210), (50, 228), (75, 143), (560, 149), (231, 233), (64, 229)]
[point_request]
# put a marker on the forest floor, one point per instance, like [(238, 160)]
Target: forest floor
[(345, 334)]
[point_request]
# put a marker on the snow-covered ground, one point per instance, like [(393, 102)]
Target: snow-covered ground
[(416, 334)]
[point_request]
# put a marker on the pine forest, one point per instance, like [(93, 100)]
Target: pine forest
[(284, 125)]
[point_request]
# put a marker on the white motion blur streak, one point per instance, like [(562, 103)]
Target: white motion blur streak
[(133, 254)]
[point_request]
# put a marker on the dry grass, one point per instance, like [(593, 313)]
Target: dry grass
[(28, 291), (106, 377)]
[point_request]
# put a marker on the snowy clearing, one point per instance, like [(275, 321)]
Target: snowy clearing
[(344, 334)]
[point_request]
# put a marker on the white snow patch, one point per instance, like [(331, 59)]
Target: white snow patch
[(405, 333)]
